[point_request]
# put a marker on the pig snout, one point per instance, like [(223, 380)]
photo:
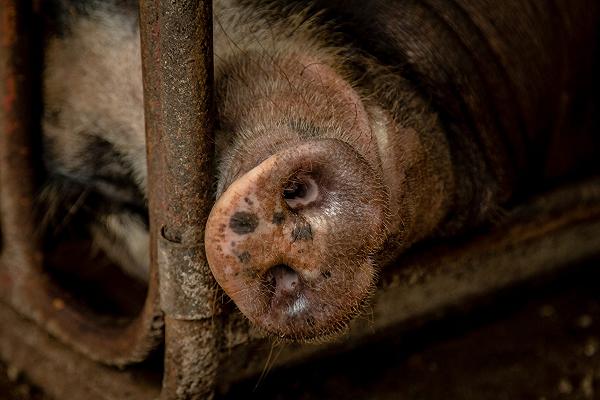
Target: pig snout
[(290, 241)]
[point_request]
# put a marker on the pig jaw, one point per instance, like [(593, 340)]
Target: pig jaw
[(291, 240)]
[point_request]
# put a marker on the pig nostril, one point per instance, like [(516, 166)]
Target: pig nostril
[(294, 190), (299, 193), (282, 279)]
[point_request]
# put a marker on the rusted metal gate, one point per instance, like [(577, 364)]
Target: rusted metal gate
[(204, 342)]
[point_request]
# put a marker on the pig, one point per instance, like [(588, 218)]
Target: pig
[(346, 133)]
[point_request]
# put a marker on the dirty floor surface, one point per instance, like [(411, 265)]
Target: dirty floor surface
[(540, 341)]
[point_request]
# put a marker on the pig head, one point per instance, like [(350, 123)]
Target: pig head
[(332, 157), (347, 132)]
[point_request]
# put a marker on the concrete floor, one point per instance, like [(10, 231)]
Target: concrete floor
[(538, 341)]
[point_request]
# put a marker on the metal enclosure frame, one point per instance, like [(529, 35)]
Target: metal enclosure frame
[(178, 101), (208, 343)]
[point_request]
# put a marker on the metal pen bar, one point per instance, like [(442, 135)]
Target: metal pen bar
[(178, 74), (23, 282), (20, 244)]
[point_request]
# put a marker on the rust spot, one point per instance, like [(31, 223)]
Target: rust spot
[(10, 93), (8, 25), (58, 304)]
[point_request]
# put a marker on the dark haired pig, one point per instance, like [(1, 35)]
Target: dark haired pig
[(345, 135)]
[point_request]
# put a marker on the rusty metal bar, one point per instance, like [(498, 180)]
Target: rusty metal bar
[(20, 242), (23, 282), (178, 74), (62, 373)]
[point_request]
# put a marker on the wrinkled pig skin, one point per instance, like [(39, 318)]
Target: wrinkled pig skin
[(347, 132)]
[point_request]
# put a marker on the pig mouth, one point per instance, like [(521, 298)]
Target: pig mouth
[(302, 309), (297, 306), (290, 241)]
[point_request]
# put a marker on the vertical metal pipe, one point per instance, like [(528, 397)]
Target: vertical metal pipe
[(178, 74), (18, 117)]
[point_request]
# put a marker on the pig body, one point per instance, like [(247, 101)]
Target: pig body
[(342, 135)]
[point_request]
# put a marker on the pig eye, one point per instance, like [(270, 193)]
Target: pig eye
[(300, 192)]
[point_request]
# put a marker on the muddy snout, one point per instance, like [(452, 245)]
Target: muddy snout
[(291, 240)]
